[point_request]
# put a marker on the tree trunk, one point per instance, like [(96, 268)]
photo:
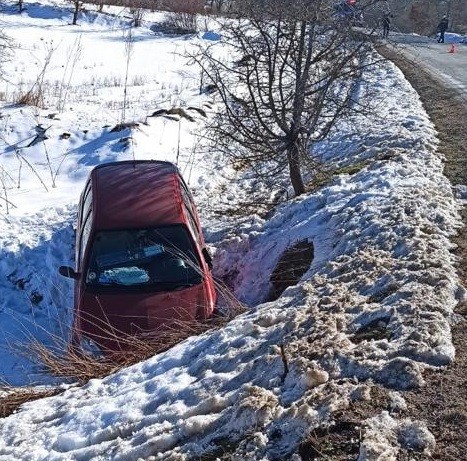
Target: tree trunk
[(75, 13), (293, 158), (301, 78)]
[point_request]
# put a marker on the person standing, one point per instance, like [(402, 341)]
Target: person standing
[(442, 28), (386, 25)]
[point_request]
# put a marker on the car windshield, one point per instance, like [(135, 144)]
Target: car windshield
[(162, 258)]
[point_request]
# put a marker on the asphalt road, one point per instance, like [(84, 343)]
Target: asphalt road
[(449, 68)]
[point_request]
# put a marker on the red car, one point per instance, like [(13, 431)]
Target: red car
[(141, 259)]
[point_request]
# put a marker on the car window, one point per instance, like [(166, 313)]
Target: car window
[(190, 211), (87, 202), (85, 233), (84, 196), (83, 211), (193, 225), (161, 258)]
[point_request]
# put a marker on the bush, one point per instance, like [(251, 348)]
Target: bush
[(192, 7), (182, 16)]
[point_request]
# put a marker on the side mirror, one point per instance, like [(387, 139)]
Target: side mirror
[(207, 257), (68, 272)]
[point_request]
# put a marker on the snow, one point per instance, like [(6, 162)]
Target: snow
[(380, 230)]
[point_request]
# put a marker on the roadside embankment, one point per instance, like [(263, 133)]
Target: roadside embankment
[(442, 402)]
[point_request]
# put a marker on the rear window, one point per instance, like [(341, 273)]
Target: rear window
[(160, 258)]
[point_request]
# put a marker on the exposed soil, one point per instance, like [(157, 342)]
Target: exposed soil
[(293, 263), (442, 402)]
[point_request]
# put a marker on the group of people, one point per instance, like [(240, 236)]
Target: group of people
[(442, 26)]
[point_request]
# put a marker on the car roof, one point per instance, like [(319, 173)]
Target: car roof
[(132, 194)]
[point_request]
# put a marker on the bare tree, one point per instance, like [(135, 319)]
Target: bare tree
[(220, 6), (456, 10), (422, 16), (137, 15), (293, 77), (77, 5)]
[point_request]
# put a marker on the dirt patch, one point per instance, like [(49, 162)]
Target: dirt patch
[(341, 440), (442, 402)]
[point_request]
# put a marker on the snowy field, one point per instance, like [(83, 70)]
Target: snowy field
[(374, 307)]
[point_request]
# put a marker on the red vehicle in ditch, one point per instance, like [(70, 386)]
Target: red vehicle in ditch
[(141, 260)]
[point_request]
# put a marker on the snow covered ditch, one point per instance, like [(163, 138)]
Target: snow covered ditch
[(373, 310), (383, 260)]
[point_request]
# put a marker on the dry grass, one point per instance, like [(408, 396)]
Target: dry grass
[(12, 398), (72, 363), (31, 98)]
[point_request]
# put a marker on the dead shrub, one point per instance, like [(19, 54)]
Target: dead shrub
[(34, 97), (182, 18)]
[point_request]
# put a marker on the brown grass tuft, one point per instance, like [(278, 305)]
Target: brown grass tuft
[(32, 98), (11, 398)]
